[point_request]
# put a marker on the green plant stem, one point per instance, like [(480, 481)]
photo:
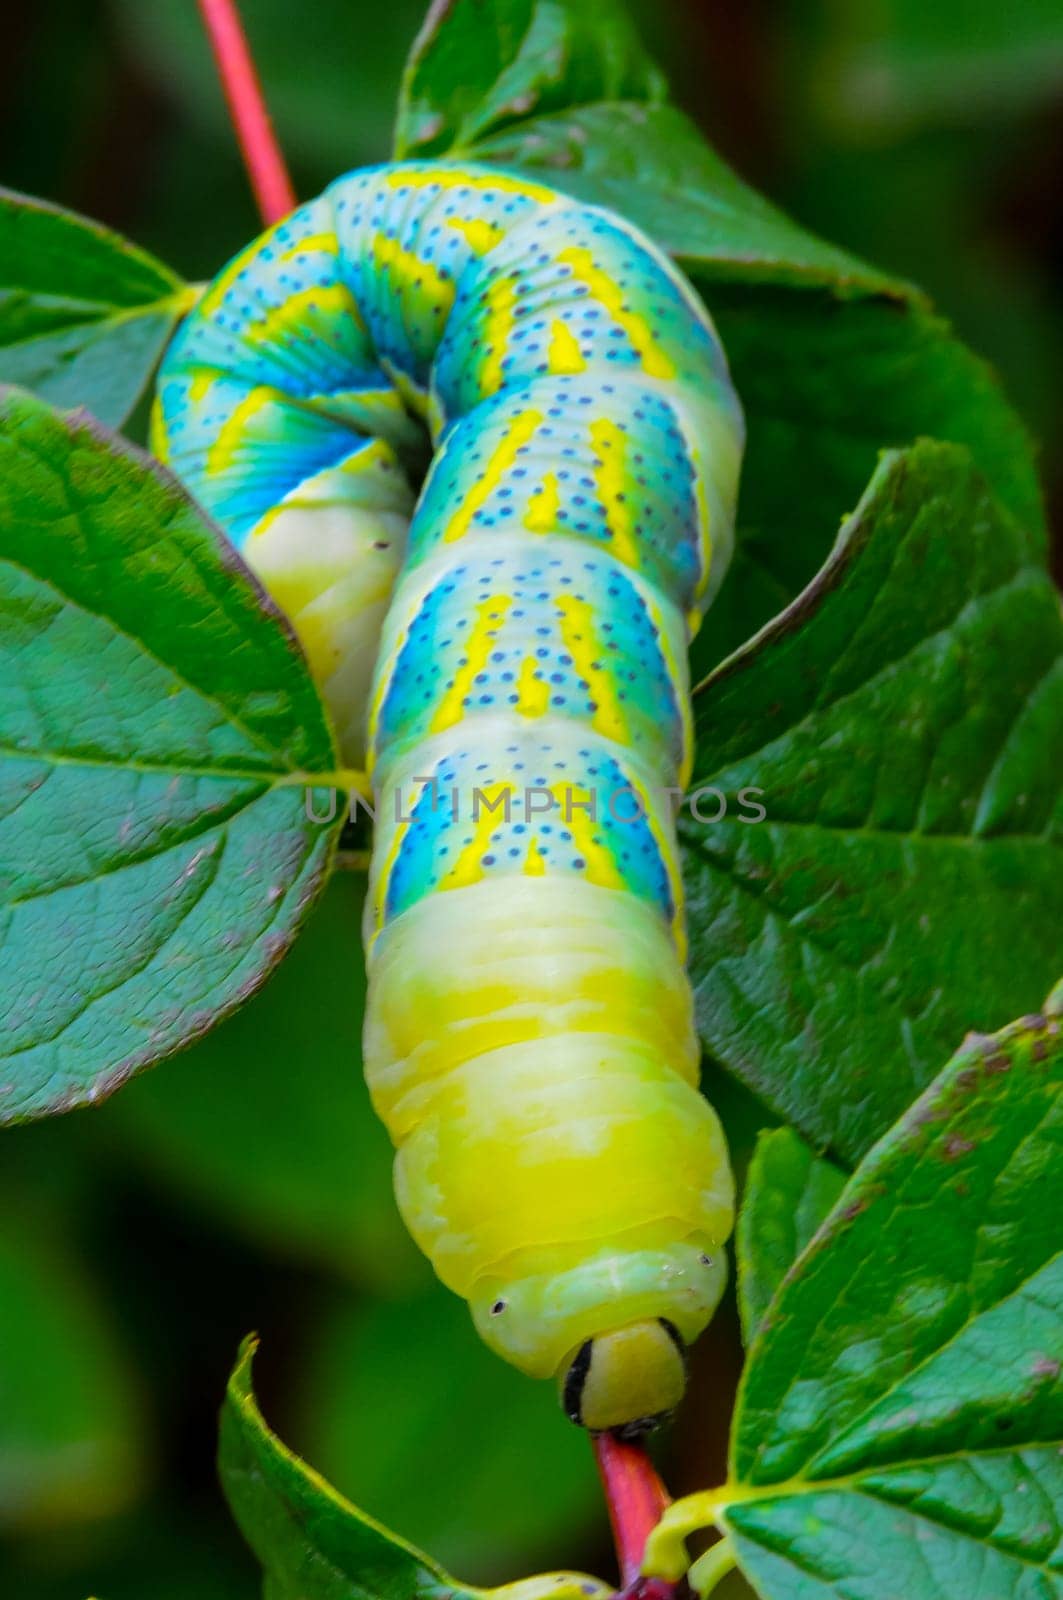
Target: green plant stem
[(708, 1569)]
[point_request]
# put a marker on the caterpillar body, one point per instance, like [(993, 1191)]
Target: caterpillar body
[(508, 650)]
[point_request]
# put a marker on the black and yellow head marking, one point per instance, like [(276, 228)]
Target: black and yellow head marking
[(626, 1380)]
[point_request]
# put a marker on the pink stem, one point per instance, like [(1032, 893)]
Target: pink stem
[(636, 1498), (243, 92)]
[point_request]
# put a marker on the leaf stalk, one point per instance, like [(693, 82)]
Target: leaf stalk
[(636, 1499), (711, 1568)]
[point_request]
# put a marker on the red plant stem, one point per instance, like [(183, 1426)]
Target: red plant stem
[(636, 1498), (243, 92)]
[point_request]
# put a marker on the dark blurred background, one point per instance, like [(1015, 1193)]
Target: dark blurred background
[(246, 1184)]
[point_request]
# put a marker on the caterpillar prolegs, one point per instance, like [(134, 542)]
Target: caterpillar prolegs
[(509, 652)]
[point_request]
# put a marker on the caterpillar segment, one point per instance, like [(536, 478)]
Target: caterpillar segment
[(507, 651)]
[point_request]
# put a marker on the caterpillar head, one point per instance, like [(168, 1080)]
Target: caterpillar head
[(627, 1380), (612, 1330)]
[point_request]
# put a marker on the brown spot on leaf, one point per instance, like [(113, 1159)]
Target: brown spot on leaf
[(520, 104)]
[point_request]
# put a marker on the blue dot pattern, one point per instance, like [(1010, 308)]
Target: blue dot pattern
[(573, 527)]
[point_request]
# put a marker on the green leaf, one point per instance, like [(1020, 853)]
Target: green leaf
[(156, 725), (373, 1373), (826, 386), (899, 1428), (475, 69), (651, 164), (901, 1416), (826, 379), (84, 314), (899, 720), (295, 1160), (314, 1545), (789, 1190), (71, 1433)]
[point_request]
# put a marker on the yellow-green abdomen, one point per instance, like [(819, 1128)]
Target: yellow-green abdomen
[(533, 1056)]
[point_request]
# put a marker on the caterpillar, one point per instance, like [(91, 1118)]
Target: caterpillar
[(507, 651)]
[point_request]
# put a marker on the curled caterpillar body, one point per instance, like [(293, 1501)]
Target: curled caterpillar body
[(529, 1039)]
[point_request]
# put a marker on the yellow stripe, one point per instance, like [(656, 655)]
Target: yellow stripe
[(480, 236), (388, 254), (490, 614), (222, 452), (468, 868), (326, 242), (541, 515), (610, 296), (534, 861), (201, 382), (607, 442), (503, 456), (330, 299), (534, 692), (577, 632), (501, 296), (402, 178), (601, 868), (564, 354)]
